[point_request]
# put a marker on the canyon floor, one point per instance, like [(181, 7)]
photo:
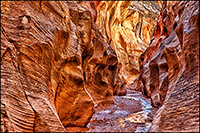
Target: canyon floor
[(130, 113)]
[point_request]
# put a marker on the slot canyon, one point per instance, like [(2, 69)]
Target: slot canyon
[(99, 66)]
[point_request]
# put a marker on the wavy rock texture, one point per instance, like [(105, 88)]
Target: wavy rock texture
[(91, 6), (170, 68), (128, 27), (54, 66)]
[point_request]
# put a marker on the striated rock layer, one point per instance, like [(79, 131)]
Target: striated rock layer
[(128, 27), (54, 66), (170, 68), (91, 6)]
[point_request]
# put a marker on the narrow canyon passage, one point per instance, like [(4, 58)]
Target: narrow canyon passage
[(130, 113), (125, 29), (100, 66)]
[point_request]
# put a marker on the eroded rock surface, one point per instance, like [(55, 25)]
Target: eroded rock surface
[(130, 113), (170, 68), (91, 6), (54, 66), (128, 27)]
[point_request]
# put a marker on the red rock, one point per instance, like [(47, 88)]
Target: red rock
[(128, 27), (56, 67), (170, 68), (91, 6), (52, 55)]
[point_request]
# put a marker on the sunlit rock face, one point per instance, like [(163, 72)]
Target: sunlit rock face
[(127, 26), (170, 68), (54, 66)]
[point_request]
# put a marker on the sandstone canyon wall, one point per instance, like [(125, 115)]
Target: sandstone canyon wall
[(170, 68), (128, 27), (54, 66)]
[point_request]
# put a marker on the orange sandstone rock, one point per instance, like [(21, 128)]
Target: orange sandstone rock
[(54, 66), (128, 27), (170, 68)]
